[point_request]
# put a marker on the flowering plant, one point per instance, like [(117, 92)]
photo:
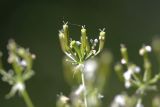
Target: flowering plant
[(87, 70)]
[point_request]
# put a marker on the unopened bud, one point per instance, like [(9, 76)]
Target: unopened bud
[(124, 54), (101, 40)]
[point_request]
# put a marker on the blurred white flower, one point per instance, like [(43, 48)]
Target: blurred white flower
[(148, 48), (23, 63), (145, 49), (123, 61), (119, 101), (128, 84), (128, 75), (18, 87), (90, 67)]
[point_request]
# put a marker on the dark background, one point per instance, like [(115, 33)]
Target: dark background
[(35, 24)]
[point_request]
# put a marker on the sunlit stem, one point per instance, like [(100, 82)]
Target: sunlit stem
[(84, 93), (26, 98)]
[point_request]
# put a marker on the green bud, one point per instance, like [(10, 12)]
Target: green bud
[(83, 40), (66, 33), (21, 51), (101, 40), (147, 67), (61, 38), (124, 53), (63, 42), (119, 70), (11, 45), (156, 44)]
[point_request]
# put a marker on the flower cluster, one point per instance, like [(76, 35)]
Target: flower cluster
[(88, 84), (79, 51), (21, 61), (132, 76)]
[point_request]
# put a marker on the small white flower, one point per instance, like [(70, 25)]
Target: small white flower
[(23, 63), (96, 40), (33, 56), (137, 69), (123, 61), (61, 35), (128, 84), (127, 75), (142, 51), (64, 99), (78, 42), (19, 86), (120, 100), (148, 48)]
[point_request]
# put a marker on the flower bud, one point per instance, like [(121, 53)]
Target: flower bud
[(11, 45), (156, 44), (83, 40), (101, 40), (124, 54), (66, 33), (63, 41)]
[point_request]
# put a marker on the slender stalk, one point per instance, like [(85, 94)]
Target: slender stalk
[(84, 94), (27, 99), (139, 102)]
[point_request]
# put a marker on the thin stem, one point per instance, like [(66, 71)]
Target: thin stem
[(27, 99), (85, 94), (139, 103)]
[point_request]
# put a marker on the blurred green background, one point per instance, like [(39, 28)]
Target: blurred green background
[(35, 24)]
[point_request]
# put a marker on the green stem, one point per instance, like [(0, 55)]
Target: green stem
[(27, 99), (85, 94)]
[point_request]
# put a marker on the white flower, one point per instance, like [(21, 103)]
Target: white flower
[(23, 63), (90, 67), (119, 100), (137, 69), (142, 51), (145, 49), (19, 86), (64, 99), (148, 48), (128, 84), (123, 61), (78, 43), (96, 40), (128, 75)]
